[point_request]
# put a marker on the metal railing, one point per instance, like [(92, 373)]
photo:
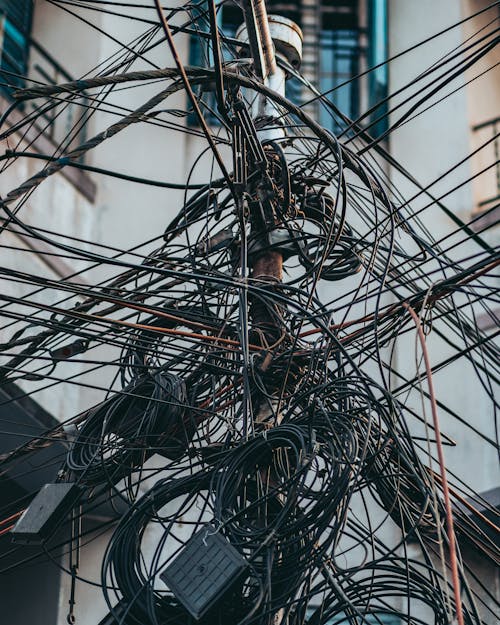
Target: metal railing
[(24, 61), (64, 119), (485, 131)]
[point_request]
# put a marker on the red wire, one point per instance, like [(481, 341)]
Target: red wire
[(12, 517), (6, 529), (444, 480)]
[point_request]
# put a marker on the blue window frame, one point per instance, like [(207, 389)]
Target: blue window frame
[(229, 17), (15, 26), (339, 54), (378, 53), (339, 57)]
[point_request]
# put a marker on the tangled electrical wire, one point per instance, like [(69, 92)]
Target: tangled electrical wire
[(249, 389)]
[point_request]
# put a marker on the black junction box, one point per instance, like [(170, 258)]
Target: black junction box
[(47, 510), (204, 571)]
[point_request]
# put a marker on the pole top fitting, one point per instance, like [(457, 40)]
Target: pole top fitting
[(286, 35)]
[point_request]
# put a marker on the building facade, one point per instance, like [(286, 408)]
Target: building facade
[(51, 43)]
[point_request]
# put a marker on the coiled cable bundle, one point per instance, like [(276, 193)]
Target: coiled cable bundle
[(263, 497), (119, 435), (133, 573)]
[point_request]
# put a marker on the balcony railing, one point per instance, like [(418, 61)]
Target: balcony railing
[(489, 192), (63, 121)]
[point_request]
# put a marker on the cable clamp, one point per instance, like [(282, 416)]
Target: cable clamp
[(208, 533)]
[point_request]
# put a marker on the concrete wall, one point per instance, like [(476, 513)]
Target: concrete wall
[(125, 214), (428, 146)]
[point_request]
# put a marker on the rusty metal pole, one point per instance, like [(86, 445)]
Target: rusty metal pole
[(266, 36)]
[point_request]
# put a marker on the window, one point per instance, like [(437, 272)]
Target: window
[(339, 53), (229, 18), (342, 48), (338, 62), (341, 58), (486, 186), (377, 53), (15, 25)]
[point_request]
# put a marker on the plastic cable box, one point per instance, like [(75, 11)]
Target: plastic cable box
[(45, 513), (202, 573)]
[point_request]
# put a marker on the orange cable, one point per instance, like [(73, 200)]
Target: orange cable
[(6, 529), (444, 480), (12, 517), (470, 507)]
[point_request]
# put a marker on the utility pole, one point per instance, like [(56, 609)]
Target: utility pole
[(267, 36)]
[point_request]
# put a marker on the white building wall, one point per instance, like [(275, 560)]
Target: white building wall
[(428, 147), (125, 214)]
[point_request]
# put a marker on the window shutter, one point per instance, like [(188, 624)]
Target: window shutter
[(16, 19), (18, 13)]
